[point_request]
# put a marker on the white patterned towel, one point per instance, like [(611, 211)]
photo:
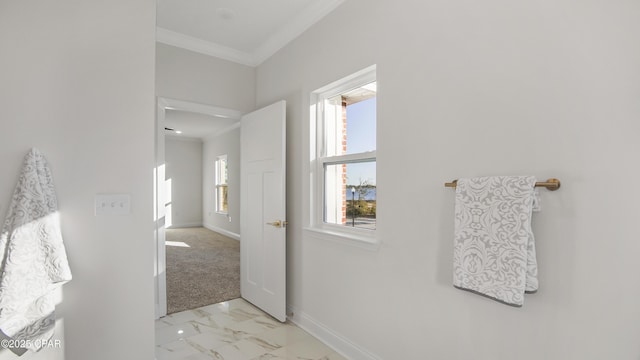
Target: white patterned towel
[(34, 261), (494, 251)]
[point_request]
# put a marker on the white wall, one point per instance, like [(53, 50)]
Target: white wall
[(186, 75), (467, 88), (183, 159), (78, 83), (224, 144)]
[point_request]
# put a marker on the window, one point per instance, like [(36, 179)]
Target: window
[(222, 179), (344, 163)]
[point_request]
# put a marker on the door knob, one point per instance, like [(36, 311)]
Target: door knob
[(276, 223)]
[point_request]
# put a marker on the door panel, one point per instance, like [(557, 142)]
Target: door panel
[(263, 209)]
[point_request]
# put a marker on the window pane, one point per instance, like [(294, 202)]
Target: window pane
[(350, 194), (361, 126), (221, 199), (350, 121), (222, 176)]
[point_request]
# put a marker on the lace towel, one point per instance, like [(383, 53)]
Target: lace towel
[(34, 261), (494, 251)]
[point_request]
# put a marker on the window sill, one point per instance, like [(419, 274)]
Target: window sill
[(369, 242)]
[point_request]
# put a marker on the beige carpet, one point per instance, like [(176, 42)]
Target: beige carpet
[(206, 272)]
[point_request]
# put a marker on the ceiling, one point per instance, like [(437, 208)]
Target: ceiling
[(243, 31), (195, 126)]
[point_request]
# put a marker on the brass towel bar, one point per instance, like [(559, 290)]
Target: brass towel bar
[(550, 184)]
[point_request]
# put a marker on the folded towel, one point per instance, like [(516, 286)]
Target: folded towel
[(34, 261), (494, 251)]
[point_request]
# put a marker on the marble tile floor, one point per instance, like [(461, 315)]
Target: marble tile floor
[(234, 330)]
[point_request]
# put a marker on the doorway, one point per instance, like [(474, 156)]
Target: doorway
[(263, 215), (226, 120)]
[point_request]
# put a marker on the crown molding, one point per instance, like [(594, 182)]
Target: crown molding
[(180, 40), (273, 44), (294, 28)]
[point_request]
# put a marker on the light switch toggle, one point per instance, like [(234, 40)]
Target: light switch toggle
[(113, 204)]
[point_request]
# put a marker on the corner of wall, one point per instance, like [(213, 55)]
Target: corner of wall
[(329, 337)]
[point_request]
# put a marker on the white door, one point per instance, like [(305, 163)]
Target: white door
[(262, 219)]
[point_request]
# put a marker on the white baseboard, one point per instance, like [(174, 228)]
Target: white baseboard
[(223, 232), (337, 342), (187, 225)]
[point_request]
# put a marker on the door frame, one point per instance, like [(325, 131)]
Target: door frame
[(159, 256)]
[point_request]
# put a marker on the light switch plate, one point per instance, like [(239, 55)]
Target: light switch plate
[(113, 204)]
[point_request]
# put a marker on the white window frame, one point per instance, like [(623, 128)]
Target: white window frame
[(318, 160), (221, 182)]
